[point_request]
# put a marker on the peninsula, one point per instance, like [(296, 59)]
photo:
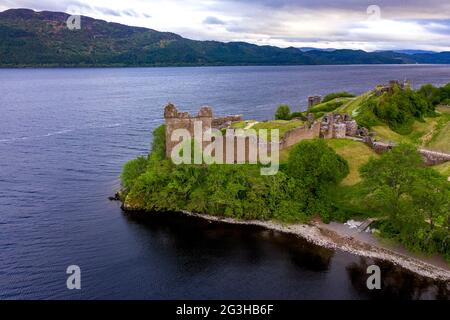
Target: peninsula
[(379, 161)]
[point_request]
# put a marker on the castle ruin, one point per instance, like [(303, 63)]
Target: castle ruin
[(183, 120), (331, 126), (389, 88), (313, 101)]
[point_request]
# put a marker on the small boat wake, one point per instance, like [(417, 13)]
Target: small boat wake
[(60, 132)]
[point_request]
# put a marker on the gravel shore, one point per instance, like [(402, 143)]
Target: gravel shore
[(332, 240)]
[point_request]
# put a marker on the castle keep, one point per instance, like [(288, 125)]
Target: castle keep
[(183, 120)]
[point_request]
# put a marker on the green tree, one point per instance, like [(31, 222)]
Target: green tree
[(158, 152), (388, 180), (431, 196), (415, 199), (283, 112), (402, 107), (316, 167), (131, 171)]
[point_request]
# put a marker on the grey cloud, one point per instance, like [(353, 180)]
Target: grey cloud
[(270, 19), (342, 4), (213, 21), (64, 6), (108, 12)]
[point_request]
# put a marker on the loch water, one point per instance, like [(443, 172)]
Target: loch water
[(64, 137)]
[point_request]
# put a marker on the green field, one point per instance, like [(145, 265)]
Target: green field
[(330, 106), (282, 125), (356, 153), (443, 169)]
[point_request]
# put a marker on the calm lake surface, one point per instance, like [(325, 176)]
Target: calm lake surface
[(64, 136)]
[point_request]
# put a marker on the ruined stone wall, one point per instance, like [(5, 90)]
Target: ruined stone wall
[(332, 126), (351, 128), (183, 120), (313, 101), (340, 131), (223, 122), (433, 158), (430, 158), (296, 135)]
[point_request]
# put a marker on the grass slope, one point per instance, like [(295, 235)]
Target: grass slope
[(282, 125), (356, 153)]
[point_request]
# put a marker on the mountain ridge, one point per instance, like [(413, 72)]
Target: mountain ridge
[(42, 39)]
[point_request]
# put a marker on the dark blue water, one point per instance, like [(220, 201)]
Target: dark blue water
[(64, 136)]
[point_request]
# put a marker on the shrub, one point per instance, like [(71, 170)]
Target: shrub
[(158, 151), (343, 94), (327, 107), (131, 171), (414, 198), (401, 108), (283, 112), (315, 167), (299, 115)]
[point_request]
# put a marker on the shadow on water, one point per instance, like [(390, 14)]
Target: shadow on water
[(396, 282), (224, 240), (280, 261)]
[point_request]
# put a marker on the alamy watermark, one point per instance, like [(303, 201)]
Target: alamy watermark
[(374, 280), (373, 12), (74, 280), (73, 22)]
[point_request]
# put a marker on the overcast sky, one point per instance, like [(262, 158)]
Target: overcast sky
[(353, 24)]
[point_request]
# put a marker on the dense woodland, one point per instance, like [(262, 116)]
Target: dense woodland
[(29, 38)]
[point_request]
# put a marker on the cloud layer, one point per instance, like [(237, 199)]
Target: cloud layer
[(354, 24)]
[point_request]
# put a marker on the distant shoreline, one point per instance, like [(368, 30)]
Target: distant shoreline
[(12, 67)]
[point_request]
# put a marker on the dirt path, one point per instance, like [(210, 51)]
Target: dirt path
[(251, 125)]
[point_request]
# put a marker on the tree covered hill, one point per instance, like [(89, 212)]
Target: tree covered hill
[(29, 38)]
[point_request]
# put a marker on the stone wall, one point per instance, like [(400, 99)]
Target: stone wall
[(340, 131), (352, 128), (313, 101), (381, 89), (337, 126), (183, 120), (433, 158), (296, 135), (430, 158), (224, 122), (333, 125)]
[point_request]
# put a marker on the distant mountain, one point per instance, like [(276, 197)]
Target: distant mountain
[(29, 38), (412, 51), (306, 49)]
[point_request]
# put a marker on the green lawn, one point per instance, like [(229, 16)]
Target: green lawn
[(433, 133), (352, 106), (443, 169), (241, 124), (356, 153), (440, 138), (331, 105), (282, 125)]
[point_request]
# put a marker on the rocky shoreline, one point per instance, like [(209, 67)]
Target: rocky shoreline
[(332, 240)]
